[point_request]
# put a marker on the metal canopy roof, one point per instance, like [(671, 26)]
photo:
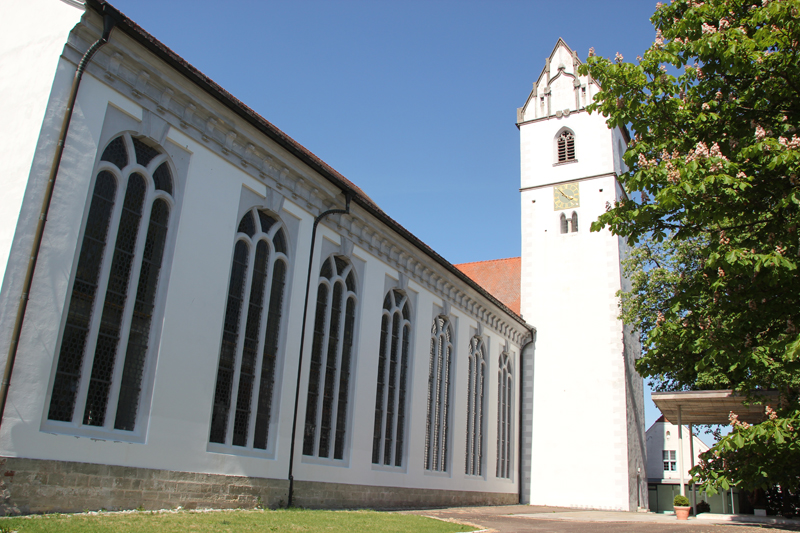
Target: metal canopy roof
[(711, 406)]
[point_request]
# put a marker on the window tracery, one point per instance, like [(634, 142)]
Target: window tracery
[(505, 416), (243, 395), (390, 396), (566, 146), (437, 423), (331, 360), (106, 340), (475, 392)]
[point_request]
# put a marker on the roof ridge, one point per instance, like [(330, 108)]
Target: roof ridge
[(489, 261)]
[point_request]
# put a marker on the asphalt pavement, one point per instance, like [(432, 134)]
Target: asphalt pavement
[(531, 518)]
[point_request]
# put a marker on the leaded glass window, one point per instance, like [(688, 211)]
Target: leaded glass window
[(566, 146), (437, 421), (244, 392), (331, 360), (106, 342), (505, 416), (390, 396), (475, 391)]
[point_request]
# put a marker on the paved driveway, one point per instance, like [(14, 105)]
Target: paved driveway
[(528, 518)]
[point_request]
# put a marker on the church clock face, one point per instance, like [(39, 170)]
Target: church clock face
[(566, 196)]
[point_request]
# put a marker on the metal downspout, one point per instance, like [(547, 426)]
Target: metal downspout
[(345, 211), (520, 472), (108, 25)]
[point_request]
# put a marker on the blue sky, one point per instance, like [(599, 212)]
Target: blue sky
[(414, 101)]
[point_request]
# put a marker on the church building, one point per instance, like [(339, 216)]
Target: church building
[(196, 311)]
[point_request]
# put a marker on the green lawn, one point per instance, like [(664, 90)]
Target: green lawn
[(292, 520)]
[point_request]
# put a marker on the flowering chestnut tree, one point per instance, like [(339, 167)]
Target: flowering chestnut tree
[(713, 210)]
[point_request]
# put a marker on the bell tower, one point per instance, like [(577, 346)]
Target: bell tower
[(588, 447)]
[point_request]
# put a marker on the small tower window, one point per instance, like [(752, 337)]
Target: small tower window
[(566, 146), (569, 225)]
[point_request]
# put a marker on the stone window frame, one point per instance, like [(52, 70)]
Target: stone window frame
[(260, 421), (389, 436), (440, 370), (156, 158), (505, 416), (476, 396), (336, 272)]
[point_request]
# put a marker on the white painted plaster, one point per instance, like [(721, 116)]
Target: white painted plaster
[(569, 282), (32, 35)]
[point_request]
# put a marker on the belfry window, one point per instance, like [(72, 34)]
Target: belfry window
[(505, 416), (475, 390), (568, 225), (566, 146), (243, 396), (107, 345), (390, 396), (436, 428), (331, 360)]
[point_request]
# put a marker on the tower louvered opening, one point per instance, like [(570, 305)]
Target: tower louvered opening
[(566, 147)]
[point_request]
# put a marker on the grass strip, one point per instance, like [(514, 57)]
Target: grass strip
[(238, 521)]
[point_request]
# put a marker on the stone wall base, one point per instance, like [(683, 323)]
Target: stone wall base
[(46, 486), (317, 495)]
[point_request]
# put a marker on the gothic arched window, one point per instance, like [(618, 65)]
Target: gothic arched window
[(106, 348), (390, 396), (505, 416), (475, 390), (436, 427), (564, 225), (574, 227), (331, 358), (566, 146), (249, 354)]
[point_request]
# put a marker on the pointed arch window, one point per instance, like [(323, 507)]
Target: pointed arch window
[(390, 397), (475, 393), (437, 423), (331, 360), (574, 221), (565, 145), (106, 353), (243, 396), (505, 416)]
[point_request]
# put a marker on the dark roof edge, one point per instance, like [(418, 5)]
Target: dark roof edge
[(138, 34)]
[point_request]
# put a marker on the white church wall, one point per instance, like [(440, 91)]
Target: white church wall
[(28, 60), (178, 397)]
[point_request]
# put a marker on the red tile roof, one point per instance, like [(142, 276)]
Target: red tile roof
[(500, 277)]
